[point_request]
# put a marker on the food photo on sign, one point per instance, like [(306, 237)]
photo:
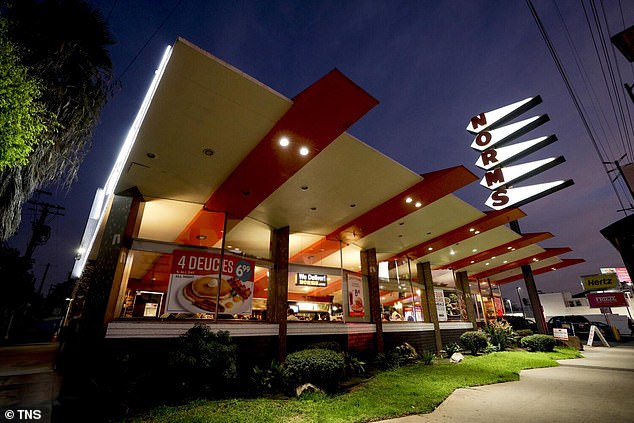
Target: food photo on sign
[(199, 284)]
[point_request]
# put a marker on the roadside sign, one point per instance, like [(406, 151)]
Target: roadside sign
[(560, 333), (606, 299), (599, 282), (593, 331)]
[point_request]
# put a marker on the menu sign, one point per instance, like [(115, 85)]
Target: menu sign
[(202, 282), (355, 296), (311, 279), (441, 308)]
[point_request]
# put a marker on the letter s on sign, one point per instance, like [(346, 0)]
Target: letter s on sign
[(500, 198)]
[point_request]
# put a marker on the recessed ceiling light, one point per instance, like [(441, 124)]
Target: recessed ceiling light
[(506, 261), (509, 248), (208, 152), (472, 261), (401, 223), (408, 200), (229, 246), (284, 142), (304, 188), (493, 258), (552, 268), (430, 248), (201, 237), (353, 205), (313, 208), (471, 230), (400, 236), (303, 151), (534, 259), (486, 264), (418, 204), (452, 252), (151, 155), (476, 232), (475, 250)]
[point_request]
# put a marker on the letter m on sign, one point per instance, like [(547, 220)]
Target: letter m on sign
[(494, 176)]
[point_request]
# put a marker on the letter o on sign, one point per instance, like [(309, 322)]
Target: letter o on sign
[(483, 139)]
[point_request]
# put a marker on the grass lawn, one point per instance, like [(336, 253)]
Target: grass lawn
[(414, 389)]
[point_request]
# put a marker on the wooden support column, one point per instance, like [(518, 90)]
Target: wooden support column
[(370, 269), (424, 274), (277, 299), (462, 283)]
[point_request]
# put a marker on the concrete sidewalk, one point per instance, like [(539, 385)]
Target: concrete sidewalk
[(597, 388), (28, 381)]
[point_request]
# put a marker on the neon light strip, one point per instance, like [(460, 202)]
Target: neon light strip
[(104, 197)]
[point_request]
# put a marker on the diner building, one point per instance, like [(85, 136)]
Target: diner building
[(233, 205)]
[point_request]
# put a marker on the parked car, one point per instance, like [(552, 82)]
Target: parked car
[(519, 322), (576, 325)]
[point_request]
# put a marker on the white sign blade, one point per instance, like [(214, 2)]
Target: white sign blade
[(491, 158), (505, 176), (516, 197), (489, 139), (485, 120)]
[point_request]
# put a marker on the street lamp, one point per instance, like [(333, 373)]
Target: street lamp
[(519, 297)]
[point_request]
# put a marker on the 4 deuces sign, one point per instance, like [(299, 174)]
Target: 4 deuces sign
[(491, 141)]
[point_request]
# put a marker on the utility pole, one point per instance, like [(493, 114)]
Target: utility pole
[(41, 231)]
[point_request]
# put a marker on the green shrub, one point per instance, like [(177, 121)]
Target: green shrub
[(523, 332), (427, 357), (451, 348), (475, 341), (539, 342), (268, 381), (320, 367), (396, 357), (499, 333), (203, 361), (326, 345), (353, 366)]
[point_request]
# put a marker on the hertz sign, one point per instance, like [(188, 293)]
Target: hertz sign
[(491, 141)]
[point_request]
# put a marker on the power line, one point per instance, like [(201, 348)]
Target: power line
[(568, 85)]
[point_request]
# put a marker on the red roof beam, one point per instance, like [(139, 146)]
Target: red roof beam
[(492, 219), (524, 241), (545, 269), (548, 253), (434, 186), (316, 118)]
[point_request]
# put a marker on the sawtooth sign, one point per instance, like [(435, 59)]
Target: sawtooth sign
[(491, 141)]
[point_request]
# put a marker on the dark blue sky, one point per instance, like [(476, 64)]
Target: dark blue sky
[(431, 64)]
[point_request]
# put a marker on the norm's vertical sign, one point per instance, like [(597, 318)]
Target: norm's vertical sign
[(492, 142)]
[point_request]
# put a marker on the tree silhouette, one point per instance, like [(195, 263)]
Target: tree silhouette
[(63, 43)]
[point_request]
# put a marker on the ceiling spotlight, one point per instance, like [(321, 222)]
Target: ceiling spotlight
[(472, 230), (476, 232), (430, 248), (472, 261), (486, 264), (475, 250), (509, 248), (303, 151), (408, 200), (418, 204), (506, 261), (452, 252), (284, 142)]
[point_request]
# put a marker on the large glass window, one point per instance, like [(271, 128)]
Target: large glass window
[(400, 295), (450, 304)]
